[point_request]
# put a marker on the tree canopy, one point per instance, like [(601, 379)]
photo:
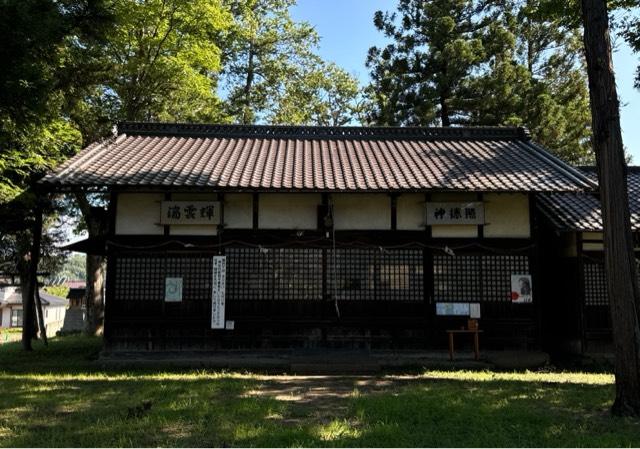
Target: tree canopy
[(482, 63)]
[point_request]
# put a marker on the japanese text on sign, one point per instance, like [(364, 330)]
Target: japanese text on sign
[(190, 212), (218, 292), (455, 213)]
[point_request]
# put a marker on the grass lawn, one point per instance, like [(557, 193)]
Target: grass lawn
[(57, 396)]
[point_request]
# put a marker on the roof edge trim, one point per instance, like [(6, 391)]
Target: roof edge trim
[(321, 132)]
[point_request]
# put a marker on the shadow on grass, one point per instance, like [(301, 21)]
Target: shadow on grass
[(66, 400)]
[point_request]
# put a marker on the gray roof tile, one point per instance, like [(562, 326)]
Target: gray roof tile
[(318, 158), (581, 212)]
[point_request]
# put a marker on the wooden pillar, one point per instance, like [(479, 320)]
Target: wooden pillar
[(427, 275)]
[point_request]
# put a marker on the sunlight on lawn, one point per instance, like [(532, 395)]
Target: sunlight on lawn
[(59, 396), (527, 376)]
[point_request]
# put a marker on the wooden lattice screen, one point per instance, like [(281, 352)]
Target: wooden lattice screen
[(311, 274), (595, 284), (476, 278), (374, 274), (142, 278), (274, 273)]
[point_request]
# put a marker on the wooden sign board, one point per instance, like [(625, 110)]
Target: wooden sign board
[(468, 213), (190, 213)]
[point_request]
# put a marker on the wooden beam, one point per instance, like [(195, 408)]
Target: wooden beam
[(256, 209), (394, 211)]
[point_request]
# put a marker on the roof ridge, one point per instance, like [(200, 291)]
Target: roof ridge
[(568, 169), (324, 132)]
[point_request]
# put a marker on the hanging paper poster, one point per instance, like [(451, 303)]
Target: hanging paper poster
[(173, 289), (521, 289), (452, 308)]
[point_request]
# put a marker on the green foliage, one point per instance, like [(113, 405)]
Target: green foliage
[(483, 63), (75, 267), (263, 51), (437, 47), (60, 291), (41, 41), (631, 33), (328, 93), (271, 68), (537, 80), (161, 58)]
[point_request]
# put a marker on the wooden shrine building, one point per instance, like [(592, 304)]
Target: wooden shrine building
[(572, 233), (280, 237)]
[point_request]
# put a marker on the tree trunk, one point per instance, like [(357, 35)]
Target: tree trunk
[(620, 263), (31, 281), (95, 219), (94, 323), (444, 112), (247, 118)]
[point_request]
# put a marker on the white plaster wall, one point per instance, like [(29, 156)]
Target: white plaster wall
[(6, 314), (288, 210), (361, 211), (592, 236), (411, 212), (238, 210), (569, 244), (454, 231), (193, 229), (54, 319), (7, 291), (596, 246), (139, 214), (506, 215), (6, 317)]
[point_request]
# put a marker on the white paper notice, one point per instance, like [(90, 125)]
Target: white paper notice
[(218, 292)]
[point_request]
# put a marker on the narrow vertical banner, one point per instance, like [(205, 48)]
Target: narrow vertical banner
[(218, 292)]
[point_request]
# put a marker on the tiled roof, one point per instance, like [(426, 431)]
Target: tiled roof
[(318, 159), (52, 300), (15, 298), (581, 212)]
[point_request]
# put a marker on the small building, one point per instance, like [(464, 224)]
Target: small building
[(572, 227), (53, 308), (225, 236)]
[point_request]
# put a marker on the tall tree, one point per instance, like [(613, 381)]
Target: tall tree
[(620, 262), (45, 42), (537, 79), (329, 94), (160, 62), (265, 52), (513, 64), (437, 46)]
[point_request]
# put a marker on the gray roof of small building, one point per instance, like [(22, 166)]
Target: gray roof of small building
[(299, 158), (47, 300), (582, 212), (51, 300)]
